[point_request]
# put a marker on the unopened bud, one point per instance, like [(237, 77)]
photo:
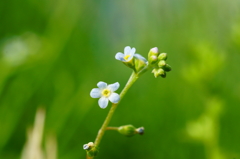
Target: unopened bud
[(127, 130), (159, 72), (153, 56), (91, 149), (140, 130), (161, 63), (162, 56), (154, 51), (152, 59), (88, 146), (167, 68)]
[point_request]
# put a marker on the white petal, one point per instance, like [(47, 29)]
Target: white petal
[(95, 93), (120, 56), (131, 53), (133, 50), (114, 98), (101, 85), (113, 87), (138, 56), (127, 50), (103, 102)]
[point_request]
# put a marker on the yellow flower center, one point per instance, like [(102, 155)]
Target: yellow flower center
[(106, 92), (126, 57)]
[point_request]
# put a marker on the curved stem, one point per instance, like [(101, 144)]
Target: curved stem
[(102, 130)]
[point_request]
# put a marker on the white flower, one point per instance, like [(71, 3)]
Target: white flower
[(127, 56), (105, 92)]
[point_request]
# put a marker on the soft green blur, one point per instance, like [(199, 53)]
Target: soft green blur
[(52, 53)]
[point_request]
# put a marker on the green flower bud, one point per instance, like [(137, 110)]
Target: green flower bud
[(91, 149), (167, 68), (162, 56), (127, 130), (153, 56), (153, 51), (161, 63), (152, 59), (159, 72)]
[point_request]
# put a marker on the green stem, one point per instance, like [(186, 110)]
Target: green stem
[(111, 128), (101, 132)]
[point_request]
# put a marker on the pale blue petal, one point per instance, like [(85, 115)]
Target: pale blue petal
[(103, 102), (95, 93), (113, 87), (133, 50), (114, 98), (127, 50), (138, 56), (101, 85), (120, 56), (131, 53)]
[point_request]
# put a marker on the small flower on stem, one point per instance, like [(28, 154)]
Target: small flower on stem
[(128, 54), (105, 93), (91, 149), (135, 61)]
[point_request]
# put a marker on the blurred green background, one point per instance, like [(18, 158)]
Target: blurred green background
[(52, 53)]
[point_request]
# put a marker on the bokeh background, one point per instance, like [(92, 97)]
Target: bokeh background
[(53, 52)]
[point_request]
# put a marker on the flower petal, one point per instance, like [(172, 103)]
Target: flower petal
[(101, 85), (120, 56), (103, 102), (114, 98), (113, 87), (133, 50), (95, 93), (127, 50), (131, 54), (138, 56)]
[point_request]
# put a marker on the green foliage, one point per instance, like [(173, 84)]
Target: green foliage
[(52, 53)]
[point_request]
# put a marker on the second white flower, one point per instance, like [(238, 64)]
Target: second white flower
[(105, 93)]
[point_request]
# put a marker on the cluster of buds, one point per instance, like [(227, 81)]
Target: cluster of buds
[(158, 62), (130, 130), (91, 149)]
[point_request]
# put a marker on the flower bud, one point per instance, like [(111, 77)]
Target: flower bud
[(162, 56), (127, 130), (153, 56), (161, 63), (91, 149), (140, 130), (153, 51), (159, 72), (167, 68), (152, 59)]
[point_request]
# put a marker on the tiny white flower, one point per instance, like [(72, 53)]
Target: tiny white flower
[(105, 92), (127, 56)]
